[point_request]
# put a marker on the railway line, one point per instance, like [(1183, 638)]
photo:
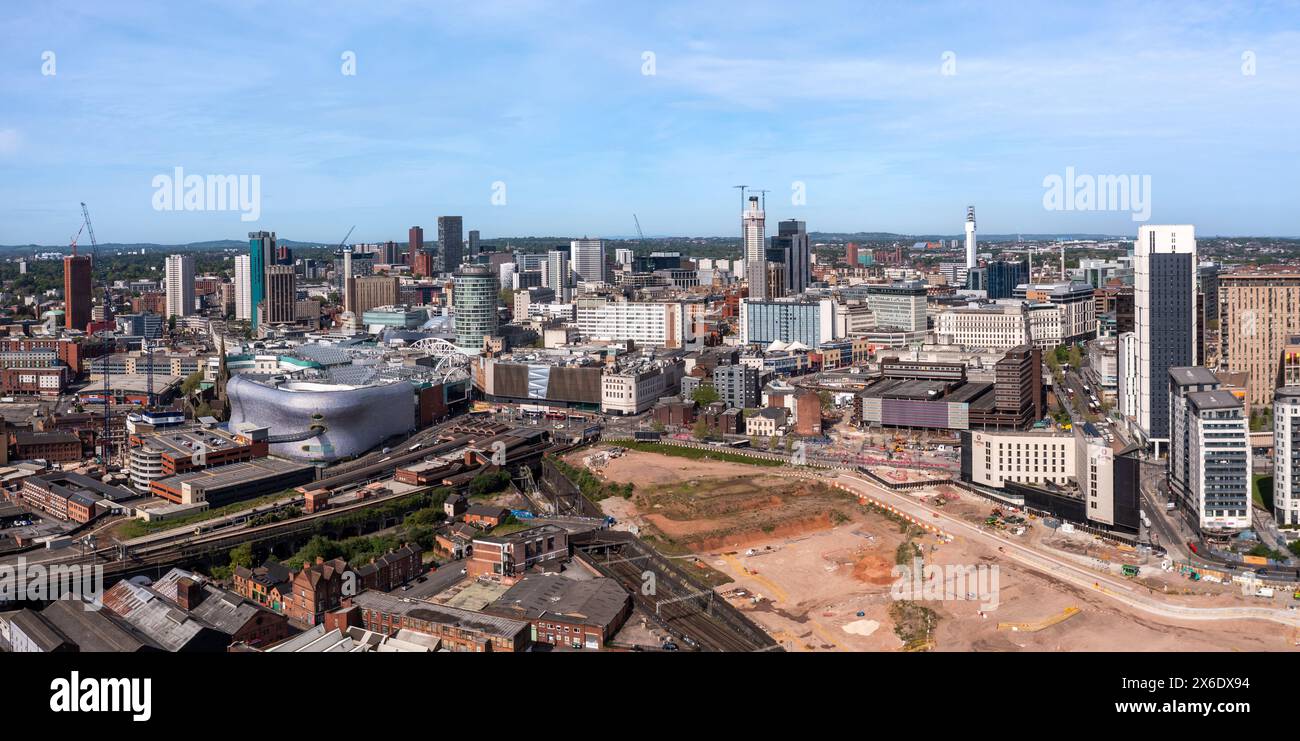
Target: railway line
[(696, 616)]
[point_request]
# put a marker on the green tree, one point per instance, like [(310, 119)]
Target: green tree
[(700, 430), (704, 394), (242, 555), (191, 382)]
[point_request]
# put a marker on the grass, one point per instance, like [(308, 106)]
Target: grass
[(1261, 490), (137, 528), (698, 454)]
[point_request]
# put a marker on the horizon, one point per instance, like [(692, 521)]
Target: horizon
[(552, 118)]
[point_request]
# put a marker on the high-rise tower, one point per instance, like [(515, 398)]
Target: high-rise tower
[(752, 231), (970, 238)]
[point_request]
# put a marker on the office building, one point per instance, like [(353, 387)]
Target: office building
[(280, 305), (371, 291), (76, 291), (809, 322), (556, 275), (451, 242), (180, 285), (899, 305), (650, 324), (261, 252), (587, 258), (992, 326), (999, 279), (1077, 319), (791, 249), (475, 302), (414, 243), (1164, 297)]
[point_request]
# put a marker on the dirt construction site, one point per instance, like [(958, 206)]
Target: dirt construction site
[(815, 567)]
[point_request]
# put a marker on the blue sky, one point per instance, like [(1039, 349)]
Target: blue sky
[(549, 98)]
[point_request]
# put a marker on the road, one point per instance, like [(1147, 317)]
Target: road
[(1075, 574)]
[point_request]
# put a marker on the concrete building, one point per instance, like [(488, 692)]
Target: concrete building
[(77, 291), (451, 242), (1261, 312), (900, 305), (993, 326), (372, 291), (648, 324), (1164, 282), (475, 304), (1077, 319), (791, 249), (243, 287), (809, 322), (180, 285), (1209, 452), (754, 250), (557, 275), (587, 257), (281, 303), (738, 386), (1286, 456)]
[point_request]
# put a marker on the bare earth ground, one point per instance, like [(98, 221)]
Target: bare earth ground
[(804, 573)]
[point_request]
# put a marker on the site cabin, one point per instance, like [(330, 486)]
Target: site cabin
[(1129, 571)]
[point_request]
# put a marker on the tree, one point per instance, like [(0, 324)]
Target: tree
[(1075, 357), (242, 555), (704, 394), (171, 323), (700, 430), (191, 382)]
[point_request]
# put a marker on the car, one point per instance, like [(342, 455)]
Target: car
[(1261, 572), (669, 646)]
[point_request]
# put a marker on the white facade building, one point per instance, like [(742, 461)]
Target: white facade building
[(243, 287), (180, 285), (652, 324)]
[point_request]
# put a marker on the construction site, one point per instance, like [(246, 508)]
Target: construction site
[(815, 566)]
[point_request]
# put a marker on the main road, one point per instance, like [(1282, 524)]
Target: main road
[(1073, 573)]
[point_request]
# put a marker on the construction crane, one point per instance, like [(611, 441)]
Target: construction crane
[(94, 262), (345, 236), (640, 238), (742, 196)]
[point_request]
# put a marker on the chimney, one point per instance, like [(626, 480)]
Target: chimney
[(188, 593)]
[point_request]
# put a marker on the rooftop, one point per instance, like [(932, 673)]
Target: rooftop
[(594, 602)]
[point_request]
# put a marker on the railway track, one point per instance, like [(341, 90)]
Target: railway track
[(681, 608)]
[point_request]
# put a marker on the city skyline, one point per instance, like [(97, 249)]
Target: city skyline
[(892, 127)]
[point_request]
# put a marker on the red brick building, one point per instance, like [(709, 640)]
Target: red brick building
[(507, 557), (56, 447)]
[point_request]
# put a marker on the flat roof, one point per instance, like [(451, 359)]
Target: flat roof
[(1193, 376), (597, 601), (1217, 399), (491, 625), (233, 474)]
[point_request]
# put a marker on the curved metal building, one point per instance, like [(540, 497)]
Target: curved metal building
[(322, 422)]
